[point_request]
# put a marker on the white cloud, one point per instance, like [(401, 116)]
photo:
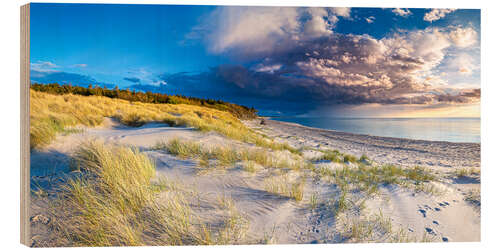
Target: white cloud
[(268, 68), (463, 64), (316, 27), (257, 27), (436, 14), (370, 19), (463, 37), (402, 12), (261, 28), (81, 65), (398, 69), (43, 66), (344, 12)]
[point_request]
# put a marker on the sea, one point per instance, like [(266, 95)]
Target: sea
[(432, 129)]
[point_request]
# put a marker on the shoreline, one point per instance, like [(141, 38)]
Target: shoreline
[(361, 134), (387, 150)]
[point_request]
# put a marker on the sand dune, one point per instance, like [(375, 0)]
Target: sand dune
[(269, 218)]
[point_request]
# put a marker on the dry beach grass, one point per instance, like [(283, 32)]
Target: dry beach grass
[(226, 182), (52, 114)]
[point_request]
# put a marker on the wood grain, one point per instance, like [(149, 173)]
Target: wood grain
[(25, 125)]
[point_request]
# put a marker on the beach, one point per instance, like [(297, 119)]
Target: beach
[(388, 150), (407, 211)]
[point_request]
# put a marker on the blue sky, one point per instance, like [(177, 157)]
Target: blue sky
[(327, 61)]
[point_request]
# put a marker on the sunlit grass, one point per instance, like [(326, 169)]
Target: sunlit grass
[(249, 166), (467, 172), (368, 178), (284, 186), (54, 114), (227, 156), (183, 149), (114, 202)]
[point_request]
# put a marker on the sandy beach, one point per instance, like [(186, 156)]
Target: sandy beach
[(446, 209), (387, 150)]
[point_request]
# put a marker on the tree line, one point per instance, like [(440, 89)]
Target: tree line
[(239, 111)]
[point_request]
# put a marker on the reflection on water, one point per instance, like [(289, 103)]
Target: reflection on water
[(434, 129)]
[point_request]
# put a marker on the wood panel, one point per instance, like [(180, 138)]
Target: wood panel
[(25, 125)]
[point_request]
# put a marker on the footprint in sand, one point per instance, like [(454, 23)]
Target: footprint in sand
[(423, 212), (430, 231)]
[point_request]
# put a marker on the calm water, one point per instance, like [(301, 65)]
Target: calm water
[(433, 129)]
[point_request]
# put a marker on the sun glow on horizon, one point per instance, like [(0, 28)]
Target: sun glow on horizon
[(465, 111), (401, 111)]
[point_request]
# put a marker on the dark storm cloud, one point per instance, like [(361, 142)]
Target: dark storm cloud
[(296, 55), (347, 69)]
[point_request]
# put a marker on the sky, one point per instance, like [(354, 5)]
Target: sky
[(341, 62)]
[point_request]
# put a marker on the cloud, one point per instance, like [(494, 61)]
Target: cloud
[(436, 14), (267, 68), (64, 78), (463, 64), (370, 19), (463, 37), (142, 75), (402, 12), (81, 65), (258, 27), (264, 29), (344, 12), (44, 66), (296, 55), (353, 69), (132, 79), (317, 26)]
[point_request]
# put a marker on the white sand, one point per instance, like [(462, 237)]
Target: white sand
[(282, 220), (381, 149)]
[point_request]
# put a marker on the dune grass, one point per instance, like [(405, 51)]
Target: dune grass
[(249, 166), (467, 172), (227, 157), (370, 228), (368, 178), (473, 196), (314, 200), (54, 114), (114, 202), (338, 157), (286, 187)]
